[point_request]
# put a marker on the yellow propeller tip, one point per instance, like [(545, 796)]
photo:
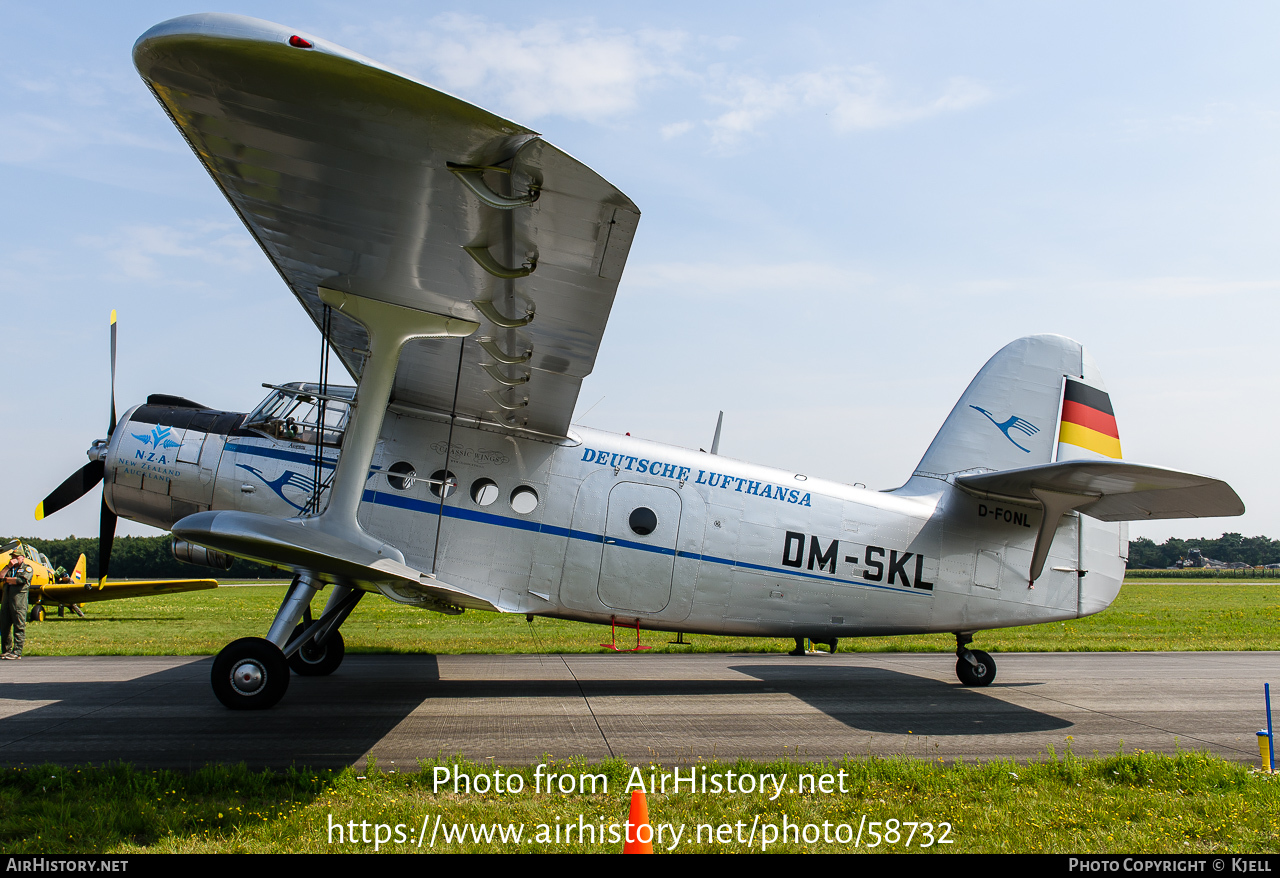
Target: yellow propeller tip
[(113, 315), (40, 511)]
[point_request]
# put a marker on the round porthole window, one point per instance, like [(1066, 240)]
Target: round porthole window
[(401, 475), (643, 521), (524, 499), (484, 491), (442, 479)]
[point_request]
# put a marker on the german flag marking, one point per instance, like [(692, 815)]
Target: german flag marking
[(1077, 413), (1088, 420)]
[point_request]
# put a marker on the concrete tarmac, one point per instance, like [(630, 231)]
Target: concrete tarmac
[(159, 712)]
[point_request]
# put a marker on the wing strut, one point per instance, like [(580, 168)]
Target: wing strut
[(448, 456), (390, 328), (322, 399)]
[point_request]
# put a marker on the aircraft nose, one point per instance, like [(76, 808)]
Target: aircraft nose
[(98, 450)]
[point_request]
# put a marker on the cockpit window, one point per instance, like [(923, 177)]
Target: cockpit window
[(292, 414)]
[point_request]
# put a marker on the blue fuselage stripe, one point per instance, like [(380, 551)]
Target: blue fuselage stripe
[(381, 498), (280, 454)]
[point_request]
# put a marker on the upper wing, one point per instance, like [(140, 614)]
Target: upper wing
[(355, 177)]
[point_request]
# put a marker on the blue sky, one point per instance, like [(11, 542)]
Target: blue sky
[(847, 208)]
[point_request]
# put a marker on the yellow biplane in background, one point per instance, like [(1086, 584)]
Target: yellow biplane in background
[(48, 589)]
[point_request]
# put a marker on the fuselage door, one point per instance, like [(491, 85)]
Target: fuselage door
[(641, 527)]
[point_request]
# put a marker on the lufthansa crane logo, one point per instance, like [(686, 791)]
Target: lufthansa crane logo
[(1022, 425)]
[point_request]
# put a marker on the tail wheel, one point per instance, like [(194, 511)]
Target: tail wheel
[(318, 660), (979, 674), (250, 674)]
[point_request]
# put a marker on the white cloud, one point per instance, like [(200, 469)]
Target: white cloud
[(816, 279), (30, 137), (1182, 287), (552, 68), (854, 98), (583, 71), (139, 251)]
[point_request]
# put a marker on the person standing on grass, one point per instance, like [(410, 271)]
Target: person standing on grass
[(13, 609)]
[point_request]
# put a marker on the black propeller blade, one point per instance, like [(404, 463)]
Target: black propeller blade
[(79, 483), (86, 478), (106, 537), (112, 426)]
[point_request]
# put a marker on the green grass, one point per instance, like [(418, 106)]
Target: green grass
[(1133, 803), (1146, 616)]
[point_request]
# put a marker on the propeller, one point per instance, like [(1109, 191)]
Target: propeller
[(86, 479)]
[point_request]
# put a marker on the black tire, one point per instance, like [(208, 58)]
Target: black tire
[(318, 661), (35, 614), (250, 674), (982, 675)]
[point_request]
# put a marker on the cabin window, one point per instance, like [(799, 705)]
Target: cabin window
[(401, 475), (484, 491), (292, 414), (524, 499), (643, 521), (443, 483)]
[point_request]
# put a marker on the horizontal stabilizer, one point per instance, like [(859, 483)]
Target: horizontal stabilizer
[(1110, 490), (1113, 490), (295, 546)]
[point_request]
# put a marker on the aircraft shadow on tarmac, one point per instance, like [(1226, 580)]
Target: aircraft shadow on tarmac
[(170, 719), (885, 701)]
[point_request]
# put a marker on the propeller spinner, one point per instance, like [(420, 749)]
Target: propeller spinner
[(87, 477)]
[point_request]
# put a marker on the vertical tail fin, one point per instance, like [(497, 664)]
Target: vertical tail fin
[(78, 574), (1013, 413)]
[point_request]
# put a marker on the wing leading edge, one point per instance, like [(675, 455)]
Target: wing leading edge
[(355, 177)]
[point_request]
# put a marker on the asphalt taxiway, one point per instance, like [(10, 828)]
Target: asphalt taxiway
[(160, 712)]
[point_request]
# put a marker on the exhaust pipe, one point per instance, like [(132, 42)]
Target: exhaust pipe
[(193, 554)]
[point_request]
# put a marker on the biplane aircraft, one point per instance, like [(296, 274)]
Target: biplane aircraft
[(49, 590), (463, 270)]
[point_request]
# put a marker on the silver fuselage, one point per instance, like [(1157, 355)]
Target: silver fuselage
[(725, 547)]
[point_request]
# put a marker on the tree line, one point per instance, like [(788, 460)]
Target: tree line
[(150, 558), (1229, 548), (140, 558)]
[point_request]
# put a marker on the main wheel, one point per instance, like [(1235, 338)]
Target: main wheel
[(36, 613), (250, 674), (318, 661), (980, 675)]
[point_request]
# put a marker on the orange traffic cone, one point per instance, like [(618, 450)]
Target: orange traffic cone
[(639, 817)]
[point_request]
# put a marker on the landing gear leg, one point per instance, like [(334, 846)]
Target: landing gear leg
[(252, 673), (316, 648), (973, 666), (799, 650)]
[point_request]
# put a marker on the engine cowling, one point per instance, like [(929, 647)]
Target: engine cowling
[(163, 459)]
